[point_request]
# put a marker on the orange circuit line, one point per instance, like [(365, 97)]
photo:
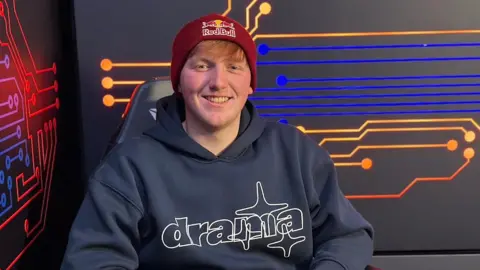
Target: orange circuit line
[(127, 82), (229, 8), (147, 64), (247, 14), (366, 164), (401, 146), (108, 83), (348, 164), (256, 23), (109, 100), (368, 34), (107, 64), (389, 121), (264, 9), (372, 130), (415, 181)]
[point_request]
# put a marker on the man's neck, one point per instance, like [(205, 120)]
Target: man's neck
[(215, 141)]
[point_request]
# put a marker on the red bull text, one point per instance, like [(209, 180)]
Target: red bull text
[(218, 28)]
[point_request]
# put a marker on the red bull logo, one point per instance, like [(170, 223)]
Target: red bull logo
[(218, 28)]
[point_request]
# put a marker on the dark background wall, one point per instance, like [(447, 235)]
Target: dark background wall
[(40, 164), (398, 110), (389, 88)]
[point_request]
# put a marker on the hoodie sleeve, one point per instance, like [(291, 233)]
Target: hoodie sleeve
[(105, 232), (343, 239)]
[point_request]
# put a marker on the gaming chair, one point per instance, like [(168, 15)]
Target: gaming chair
[(140, 113)]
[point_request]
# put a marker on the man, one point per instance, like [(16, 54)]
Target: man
[(214, 186)]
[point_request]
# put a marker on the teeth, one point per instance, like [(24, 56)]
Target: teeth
[(217, 99)]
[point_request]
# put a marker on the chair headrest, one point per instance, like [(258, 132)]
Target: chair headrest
[(140, 113)]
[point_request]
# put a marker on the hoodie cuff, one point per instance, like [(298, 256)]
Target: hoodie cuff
[(328, 265)]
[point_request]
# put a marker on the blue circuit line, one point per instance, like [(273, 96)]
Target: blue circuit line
[(360, 105), (13, 146), (20, 101), (264, 49), (360, 96), (9, 179), (9, 136), (369, 113), (282, 79), (366, 87), (359, 61), (10, 187)]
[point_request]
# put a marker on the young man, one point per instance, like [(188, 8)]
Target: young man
[(214, 186)]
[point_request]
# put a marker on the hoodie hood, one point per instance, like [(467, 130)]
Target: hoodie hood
[(169, 130)]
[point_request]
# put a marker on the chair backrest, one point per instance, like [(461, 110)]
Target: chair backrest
[(140, 113)]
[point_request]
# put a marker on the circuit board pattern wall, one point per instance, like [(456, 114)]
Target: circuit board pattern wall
[(389, 88)]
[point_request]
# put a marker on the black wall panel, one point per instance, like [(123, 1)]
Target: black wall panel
[(390, 88), (40, 187)]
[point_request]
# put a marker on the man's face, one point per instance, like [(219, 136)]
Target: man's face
[(215, 84)]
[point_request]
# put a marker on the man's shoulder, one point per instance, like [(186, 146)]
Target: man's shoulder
[(128, 155), (289, 132), (134, 147), (295, 137), (281, 129)]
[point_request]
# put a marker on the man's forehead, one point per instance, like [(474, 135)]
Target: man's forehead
[(217, 56), (218, 53)]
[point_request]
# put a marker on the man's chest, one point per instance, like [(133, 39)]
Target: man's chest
[(251, 220), (252, 208)]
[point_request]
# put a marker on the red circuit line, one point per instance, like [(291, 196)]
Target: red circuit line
[(14, 59), (44, 109), (48, 188), (24, 183), (29, 74), (41, 148), (54, 87), (17, 59), (30, 137), (48, 133), (5, 12), (42, 188), (35, 175), (14, 215), (37, 71), (45, 187)]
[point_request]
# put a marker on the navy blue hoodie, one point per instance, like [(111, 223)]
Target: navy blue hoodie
[(271, 200)]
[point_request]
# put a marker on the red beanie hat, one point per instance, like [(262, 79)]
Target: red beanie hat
[(211, 27)]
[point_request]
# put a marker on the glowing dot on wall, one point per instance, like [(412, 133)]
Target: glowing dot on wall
[(107, 83), (469, 153), (265, 8), (106, 64), (108, 100), (452, 145), (470, 136)]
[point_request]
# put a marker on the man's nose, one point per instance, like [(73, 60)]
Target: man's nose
[(218, 79)]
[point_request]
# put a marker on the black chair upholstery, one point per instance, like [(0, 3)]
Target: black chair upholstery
[(140, 113)]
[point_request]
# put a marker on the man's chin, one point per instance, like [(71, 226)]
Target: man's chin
[(218, 123)]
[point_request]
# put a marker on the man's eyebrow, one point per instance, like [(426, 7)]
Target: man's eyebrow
[(201, 58), (230, 59)]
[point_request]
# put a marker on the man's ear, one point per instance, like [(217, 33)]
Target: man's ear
[(250, 90)]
